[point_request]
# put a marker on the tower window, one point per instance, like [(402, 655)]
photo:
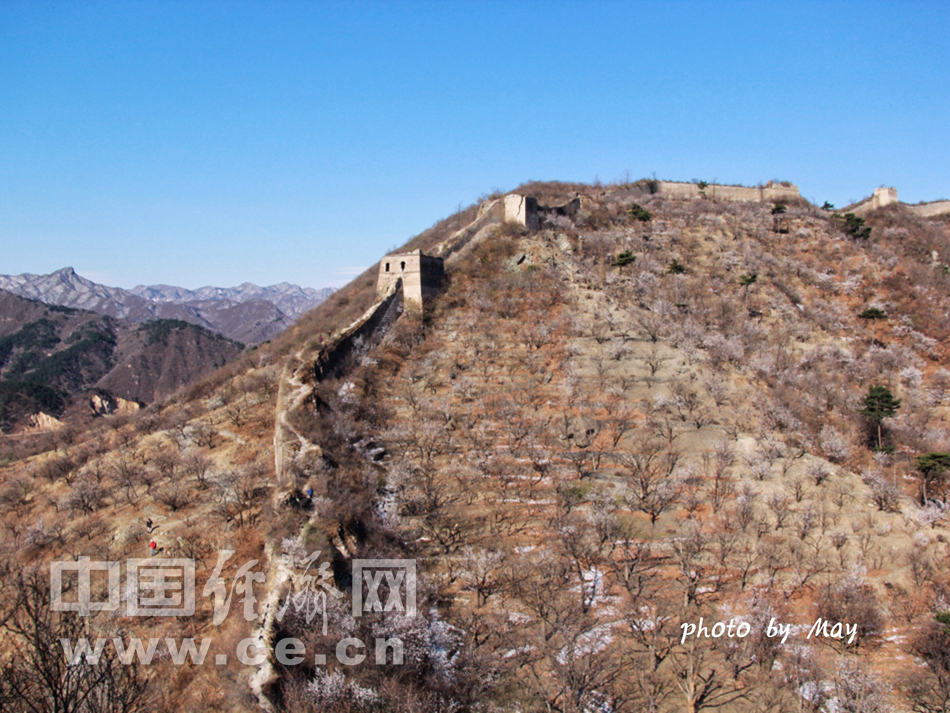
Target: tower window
[(387, 267), (402, 266)]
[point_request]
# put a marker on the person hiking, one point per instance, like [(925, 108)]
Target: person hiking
[(152, 546), (310, 493), (148, 525)]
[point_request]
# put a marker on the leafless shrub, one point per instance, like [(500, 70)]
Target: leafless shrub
[(38, 675), (198, 466), (858, 690), (817, 472), (835, 444), (174, 495), (86, 495), (928, 687), (884, 493), (804, 675), (15, 493), (779, 505), (204, 434), (37, 535), (852, 601)]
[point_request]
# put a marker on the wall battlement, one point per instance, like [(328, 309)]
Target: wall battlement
[(771, 192)]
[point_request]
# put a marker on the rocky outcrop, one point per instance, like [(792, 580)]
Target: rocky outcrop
[(43, 422), (106, 405)]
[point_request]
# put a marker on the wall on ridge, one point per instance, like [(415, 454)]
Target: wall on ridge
[(928, 210), (888, 196), (365, 333), (880, 198), (769, 193), (512, 208)]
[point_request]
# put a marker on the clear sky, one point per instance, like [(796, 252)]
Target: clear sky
[(200, 143)]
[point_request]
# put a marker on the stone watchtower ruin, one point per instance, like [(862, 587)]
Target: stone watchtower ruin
[(421, 277)]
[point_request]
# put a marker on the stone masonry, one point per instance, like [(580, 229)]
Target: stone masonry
[(512, 208), (886, 196), (421, 276)]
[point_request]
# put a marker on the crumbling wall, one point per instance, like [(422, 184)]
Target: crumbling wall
[(886, 196), (362, 335), (880, 198), (522, 210), (512, 208), (769, 193)]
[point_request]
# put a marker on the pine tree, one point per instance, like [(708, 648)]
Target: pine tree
[(878, 405), (933, 467)]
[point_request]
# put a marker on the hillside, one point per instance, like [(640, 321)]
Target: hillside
[(248, 314), (650, 410), (50, 354)]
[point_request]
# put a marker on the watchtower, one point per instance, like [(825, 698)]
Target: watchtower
[(421, 276), (883, 196)]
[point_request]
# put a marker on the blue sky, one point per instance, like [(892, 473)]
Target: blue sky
[(216, 143)]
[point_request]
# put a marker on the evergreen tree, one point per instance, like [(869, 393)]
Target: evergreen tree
[(854, 226), (878, 405), (933, 467), (623, 259)]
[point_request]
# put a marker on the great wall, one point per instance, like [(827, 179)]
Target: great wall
[(784, 192), (771, 192), (407, 282), (886, 196)]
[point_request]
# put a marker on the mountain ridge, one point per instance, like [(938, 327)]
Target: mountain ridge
[(51, 355), (247, 313), (648, 412)]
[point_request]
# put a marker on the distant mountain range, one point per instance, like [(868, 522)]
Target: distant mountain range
[(248, 313), (50, 354)]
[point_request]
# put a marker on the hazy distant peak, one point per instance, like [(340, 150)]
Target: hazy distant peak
[(247, 313)]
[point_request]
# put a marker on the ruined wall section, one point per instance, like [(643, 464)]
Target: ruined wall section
[(360, 336), (880, 198), (522, 210), (771, 192), (886, 196), (512, 208)]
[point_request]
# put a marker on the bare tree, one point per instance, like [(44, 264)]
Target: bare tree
[(480, 569), (38, 677), (648, 475), (928, 687), (858, 690), (204, 434), (716, 466)]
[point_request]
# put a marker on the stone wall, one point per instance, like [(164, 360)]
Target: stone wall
[(522, 210), (880, 198), (362, 335), (886, 196), (929, 210), (421, 276), (769, 193), (512, 208)]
